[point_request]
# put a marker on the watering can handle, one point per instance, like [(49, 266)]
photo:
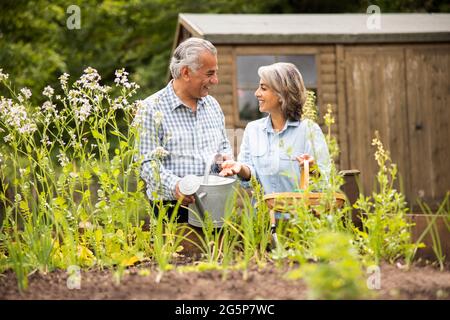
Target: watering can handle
[(304, 175)]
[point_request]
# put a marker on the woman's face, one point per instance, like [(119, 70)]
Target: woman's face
[(267, 98)]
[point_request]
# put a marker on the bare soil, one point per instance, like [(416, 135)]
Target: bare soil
[(419, 282)]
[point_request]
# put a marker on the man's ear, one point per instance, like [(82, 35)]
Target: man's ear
[(185, 73)]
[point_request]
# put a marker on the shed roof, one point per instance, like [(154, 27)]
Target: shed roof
[(317, 28)]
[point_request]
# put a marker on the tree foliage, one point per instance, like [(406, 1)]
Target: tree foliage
[(36, 46)]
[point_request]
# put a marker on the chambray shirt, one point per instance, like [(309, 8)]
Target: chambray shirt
[(189, 138), (271, 155)]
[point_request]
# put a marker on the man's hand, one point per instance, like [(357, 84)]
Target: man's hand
[(230, 168), (185, 200)]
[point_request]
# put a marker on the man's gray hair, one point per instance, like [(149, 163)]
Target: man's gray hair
[(188, 53)]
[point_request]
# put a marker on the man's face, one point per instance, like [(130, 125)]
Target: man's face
[(201, 80)]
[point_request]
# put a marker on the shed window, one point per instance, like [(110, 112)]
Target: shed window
[(248, 79)]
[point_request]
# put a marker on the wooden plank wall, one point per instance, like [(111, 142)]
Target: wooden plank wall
[(428, 94), (403, 92), (376, 101), (326, 63)]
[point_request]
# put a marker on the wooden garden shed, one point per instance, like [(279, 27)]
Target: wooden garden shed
[(394, 79)]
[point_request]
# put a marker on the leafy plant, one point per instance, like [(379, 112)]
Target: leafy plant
[(336, 271), (55, 158), (385, 232), (432, 228)]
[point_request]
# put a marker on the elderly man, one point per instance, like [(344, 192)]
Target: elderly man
[(182, 126)]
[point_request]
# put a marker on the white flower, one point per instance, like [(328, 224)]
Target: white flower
[(18, 197), (90, 80), (62, 158), (159, 152), (122, 80), (139, 119), (158, 117), (7, 138), (27, 128), (121, 76), (83, 112), (100, 193), (119, 103), (63, 80), (46, 140), (48, 107), (26, 93), (3, 76), (15, 115), (48, 91)]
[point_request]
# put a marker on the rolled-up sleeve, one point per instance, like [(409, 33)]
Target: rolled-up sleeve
[(245, 157), (225, 146), (160, 182)]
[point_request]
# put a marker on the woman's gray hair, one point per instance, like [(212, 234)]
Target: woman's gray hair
[(188, 54), (287, 82)]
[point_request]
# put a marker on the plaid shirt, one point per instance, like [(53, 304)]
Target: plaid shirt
[(175, 141)]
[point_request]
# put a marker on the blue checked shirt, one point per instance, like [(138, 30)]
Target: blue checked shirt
[(174, 141), (270, 155)]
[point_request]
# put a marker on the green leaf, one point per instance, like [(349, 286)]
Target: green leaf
[(116, 173), (97, 135)]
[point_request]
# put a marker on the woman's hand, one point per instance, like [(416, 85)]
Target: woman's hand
[(230, 168), (305, 157)]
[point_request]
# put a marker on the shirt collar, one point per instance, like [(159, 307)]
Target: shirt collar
[(289, 123), (178, 103)]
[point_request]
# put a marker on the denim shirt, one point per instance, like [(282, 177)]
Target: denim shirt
[(271, 155)]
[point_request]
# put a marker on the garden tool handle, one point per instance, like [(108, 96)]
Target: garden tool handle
[(304, 175)]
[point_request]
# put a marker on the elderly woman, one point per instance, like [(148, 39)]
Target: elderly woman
[(274, 146)]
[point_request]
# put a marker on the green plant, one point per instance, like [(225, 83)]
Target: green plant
[(252, 225), (432, 228), (336, 272), (166, 236), (70, 187), (385, 232)]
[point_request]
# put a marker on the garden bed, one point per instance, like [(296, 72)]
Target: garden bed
[(419, 282)]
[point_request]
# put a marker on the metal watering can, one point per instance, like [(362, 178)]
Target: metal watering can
[(210, 196)]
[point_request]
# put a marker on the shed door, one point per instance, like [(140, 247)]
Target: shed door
[(403, 93), (428, 92), (376, 100)]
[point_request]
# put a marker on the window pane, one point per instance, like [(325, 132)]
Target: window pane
[(248, 105), (307, 66), (247, 67)]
